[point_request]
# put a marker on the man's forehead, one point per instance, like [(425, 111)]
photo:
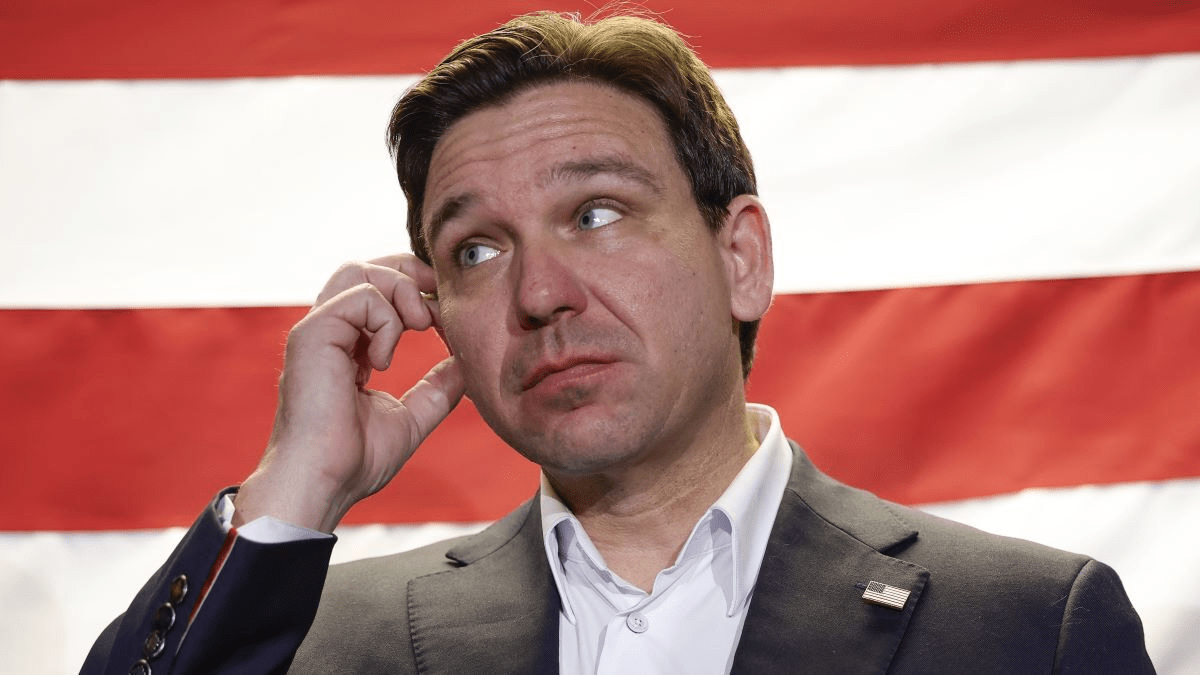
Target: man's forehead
[(581, 130), (548, 112)]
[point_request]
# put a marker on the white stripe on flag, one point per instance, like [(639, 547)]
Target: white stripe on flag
[(249, 192)]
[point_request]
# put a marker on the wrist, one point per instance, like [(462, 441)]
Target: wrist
[(291, 497)]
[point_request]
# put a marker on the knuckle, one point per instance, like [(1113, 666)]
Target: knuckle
[(297, 331), (349, 268)]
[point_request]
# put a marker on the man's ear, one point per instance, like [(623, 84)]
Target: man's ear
[(746, 249)]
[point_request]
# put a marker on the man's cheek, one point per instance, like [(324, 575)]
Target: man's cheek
[(449, 329), (478, 383)]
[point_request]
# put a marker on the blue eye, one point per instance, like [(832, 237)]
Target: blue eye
[(597, 217), (471, 255)]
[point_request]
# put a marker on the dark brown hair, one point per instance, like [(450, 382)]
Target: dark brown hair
[(638, 55)]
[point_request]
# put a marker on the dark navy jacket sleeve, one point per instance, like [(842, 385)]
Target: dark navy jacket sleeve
[(220, 604)]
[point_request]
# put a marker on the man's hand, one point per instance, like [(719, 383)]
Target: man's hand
[(335, 441)]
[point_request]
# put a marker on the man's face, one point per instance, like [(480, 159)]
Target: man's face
[(583, 294)]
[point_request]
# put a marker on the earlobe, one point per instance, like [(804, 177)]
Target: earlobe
[(746, 248)]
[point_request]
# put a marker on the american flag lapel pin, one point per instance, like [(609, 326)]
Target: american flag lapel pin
[(887, 596)]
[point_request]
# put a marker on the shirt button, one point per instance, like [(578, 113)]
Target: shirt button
[(637, 623)]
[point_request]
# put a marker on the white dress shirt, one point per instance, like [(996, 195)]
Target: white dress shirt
[(692, 619)]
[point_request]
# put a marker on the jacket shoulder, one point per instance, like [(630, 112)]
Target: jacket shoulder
[(942, 543), (986, 591), (989, 601)]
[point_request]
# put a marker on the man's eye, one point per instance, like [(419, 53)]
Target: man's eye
[(597, 217), (473, 254)]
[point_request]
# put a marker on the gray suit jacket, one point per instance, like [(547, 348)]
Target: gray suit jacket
[(487, 603)]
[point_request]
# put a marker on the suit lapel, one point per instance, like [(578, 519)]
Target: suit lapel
[(807, 613), (496, 612)]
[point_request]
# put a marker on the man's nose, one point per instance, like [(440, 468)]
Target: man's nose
[(548, 286)]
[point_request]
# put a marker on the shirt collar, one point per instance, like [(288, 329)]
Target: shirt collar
[(752, 499), (558, 526), (747, 507)]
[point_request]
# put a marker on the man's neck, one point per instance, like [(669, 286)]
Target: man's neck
[(640, 517)]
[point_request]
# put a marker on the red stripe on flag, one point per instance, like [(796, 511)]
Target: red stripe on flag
[(232, 38), (135, 418), (122, 419), (939, 393)]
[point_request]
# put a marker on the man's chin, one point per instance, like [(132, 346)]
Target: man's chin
[(581, 442), (580, 464)]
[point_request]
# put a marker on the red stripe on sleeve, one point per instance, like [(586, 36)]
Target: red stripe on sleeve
[(214, 572)]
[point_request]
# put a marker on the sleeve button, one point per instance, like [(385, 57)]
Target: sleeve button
[(179, 589), (140, 668), (154, 645), (164, 617)]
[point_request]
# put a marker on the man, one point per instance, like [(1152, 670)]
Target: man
[(588, 245)]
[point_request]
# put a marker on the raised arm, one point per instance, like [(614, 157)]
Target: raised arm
[(222, 603)]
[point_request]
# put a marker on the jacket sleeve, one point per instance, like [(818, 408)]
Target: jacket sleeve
[(220, 604), (1101, 632)]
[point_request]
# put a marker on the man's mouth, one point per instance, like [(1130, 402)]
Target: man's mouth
[(576, 367)]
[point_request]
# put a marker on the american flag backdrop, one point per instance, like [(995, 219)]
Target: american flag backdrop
[(987, 235)]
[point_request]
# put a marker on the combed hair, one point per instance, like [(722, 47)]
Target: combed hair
[(634, 54)]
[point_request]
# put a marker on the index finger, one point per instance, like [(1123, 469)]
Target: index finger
[(421, 273), (400, 279), (412, 267)]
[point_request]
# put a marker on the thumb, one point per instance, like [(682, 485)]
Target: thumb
[(433, 397)]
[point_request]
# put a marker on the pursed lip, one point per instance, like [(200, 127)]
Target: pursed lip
[(551, 367)]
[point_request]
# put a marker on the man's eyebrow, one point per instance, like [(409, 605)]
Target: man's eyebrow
[(446, 212), (616, 166), (573, 170)]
